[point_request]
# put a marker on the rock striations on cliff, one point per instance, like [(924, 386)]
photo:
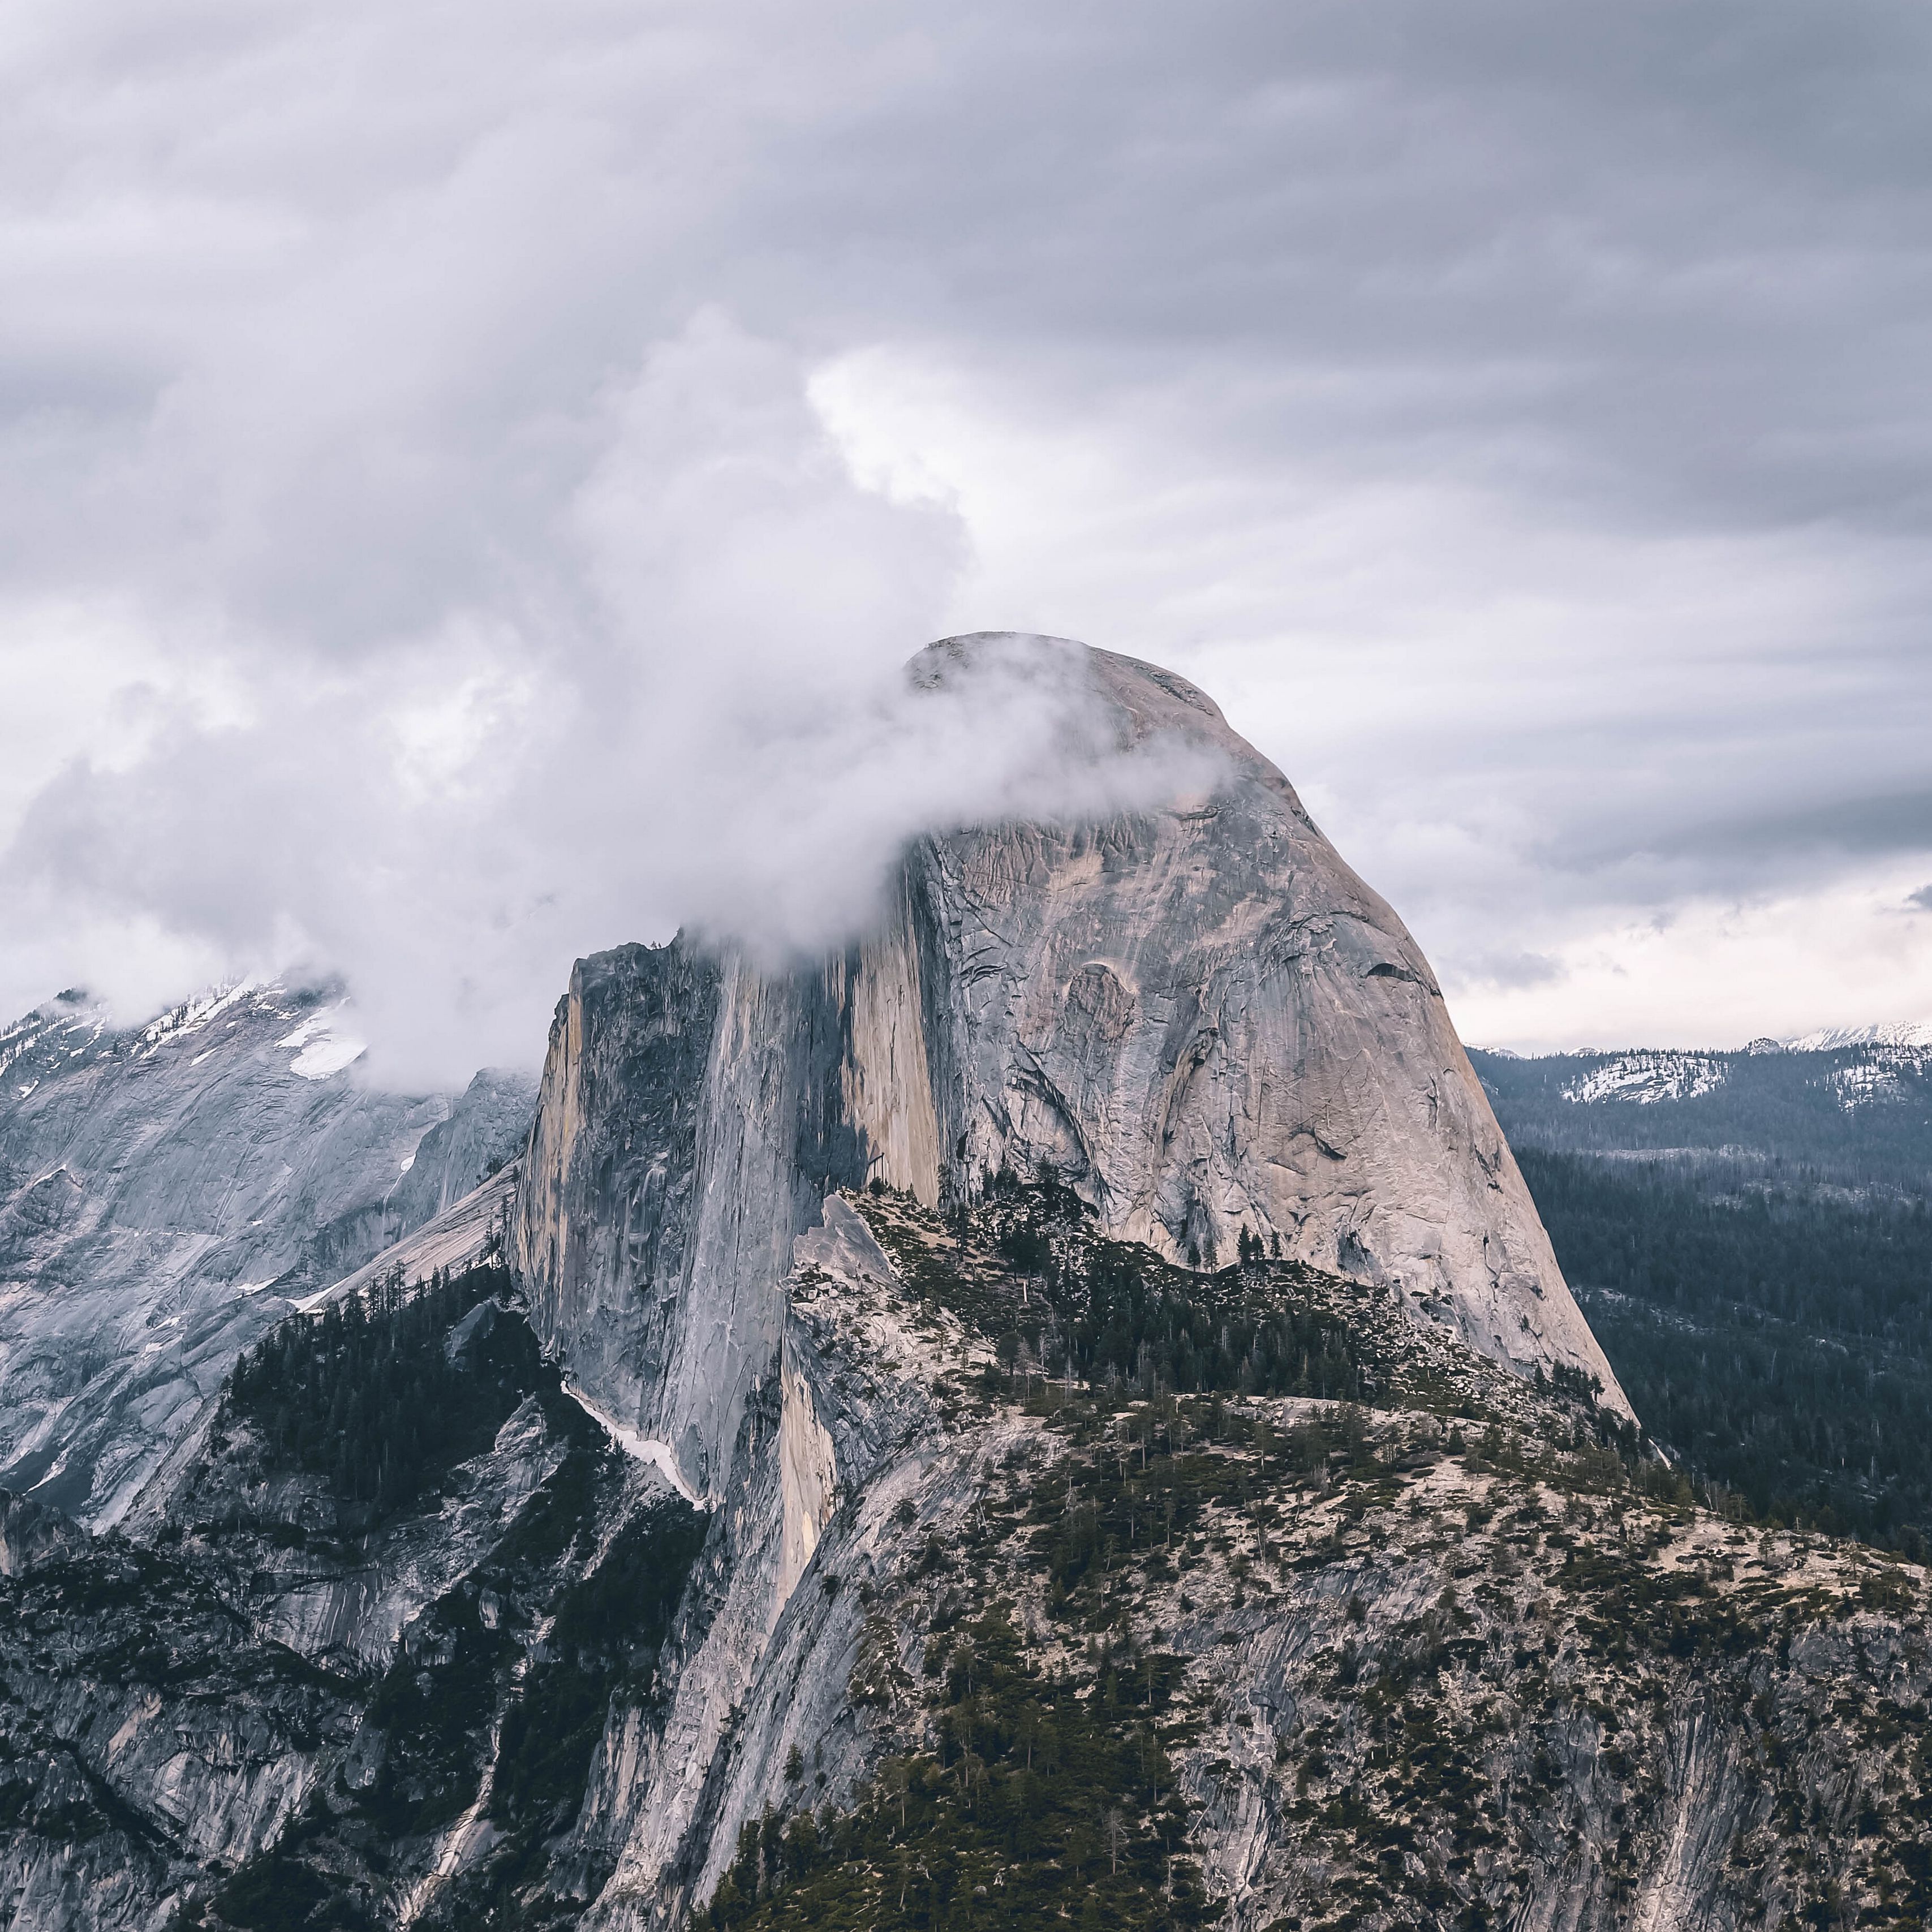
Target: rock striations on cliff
[(1268, 1606), (1198, 1017)]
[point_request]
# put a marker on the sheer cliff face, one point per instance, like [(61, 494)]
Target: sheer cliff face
[(1209, 1022), (1199, 1015), (690, 1122)]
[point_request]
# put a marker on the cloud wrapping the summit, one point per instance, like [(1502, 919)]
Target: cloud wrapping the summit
[(702, 720), (468, 477)]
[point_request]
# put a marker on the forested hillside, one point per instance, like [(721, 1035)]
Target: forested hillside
[(1859, 1117), (1751, 1235)]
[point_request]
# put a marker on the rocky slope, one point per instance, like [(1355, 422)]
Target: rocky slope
[(184, 1710), (166, 1191), (1063, 1411), (1199, 1017), (1051, 1579)]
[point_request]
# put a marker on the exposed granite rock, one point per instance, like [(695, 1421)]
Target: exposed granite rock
[(758, 1664), (1440, 1659), (486, 1127), (467, 1233), (166, 1190), (1447, 1654), (172, 1707), (1199, 1017), (688, 1125), (1562, 1702), (1206, 1022), (33, 1537)]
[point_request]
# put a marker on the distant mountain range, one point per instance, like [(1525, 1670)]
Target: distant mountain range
[(1749, 1234), (1904, 1033), (1852, 1112)]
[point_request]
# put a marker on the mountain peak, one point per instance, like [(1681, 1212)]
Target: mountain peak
[(1881, 1033), (1197, 1019)]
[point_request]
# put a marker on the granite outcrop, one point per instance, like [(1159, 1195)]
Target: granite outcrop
[(168, 1191), (1198, 1017)]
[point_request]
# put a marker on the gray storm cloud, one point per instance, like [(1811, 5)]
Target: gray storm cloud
[(703, 721), (469, 476)]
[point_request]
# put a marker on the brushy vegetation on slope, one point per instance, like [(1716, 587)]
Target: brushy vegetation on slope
[(1405, 1665)]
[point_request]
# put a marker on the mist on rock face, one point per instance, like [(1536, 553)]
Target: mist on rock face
[(448, 863), (680, 699)]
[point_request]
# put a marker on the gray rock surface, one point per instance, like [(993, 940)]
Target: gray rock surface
[(1626, 1775), (1204, 1025), (1381, 1654), (165, 1192), (1198, 1015), (1206, 1022), (471, 1230), (33, 1537), (177, 1689), (829, 1447)]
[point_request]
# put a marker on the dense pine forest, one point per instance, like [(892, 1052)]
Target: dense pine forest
[(384, 1390), (1779, 1341), (1751, 1235)]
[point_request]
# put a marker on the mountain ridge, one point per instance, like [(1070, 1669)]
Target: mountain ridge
[(1062, 1410), (1419, 1643), (168, 1189), (1198, 1017)]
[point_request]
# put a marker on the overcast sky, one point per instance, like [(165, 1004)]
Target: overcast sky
[(467, 472)]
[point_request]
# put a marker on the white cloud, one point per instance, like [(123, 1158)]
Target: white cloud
[(467, 475), (1712, 973)]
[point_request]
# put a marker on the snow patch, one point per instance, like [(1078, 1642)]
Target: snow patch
[(1874, 1082), (1830, 1039), (324, 1057), (191, 1016), (644, 1448), (316, 1023), (323, 1051), (1644, 1078)]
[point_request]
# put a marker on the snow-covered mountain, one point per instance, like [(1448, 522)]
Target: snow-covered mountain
[(1899, 1033), (165, 1192), (1646, 1078), (1853, 1112)]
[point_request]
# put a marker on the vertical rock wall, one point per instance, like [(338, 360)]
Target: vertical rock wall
[(691, 1118), (1199, 1016)]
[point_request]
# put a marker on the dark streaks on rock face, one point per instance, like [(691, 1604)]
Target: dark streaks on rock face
[(691, 1118), (32, 1536), (1342, 1623), (1198, 1017), (294, 1698), (607, 1190)]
